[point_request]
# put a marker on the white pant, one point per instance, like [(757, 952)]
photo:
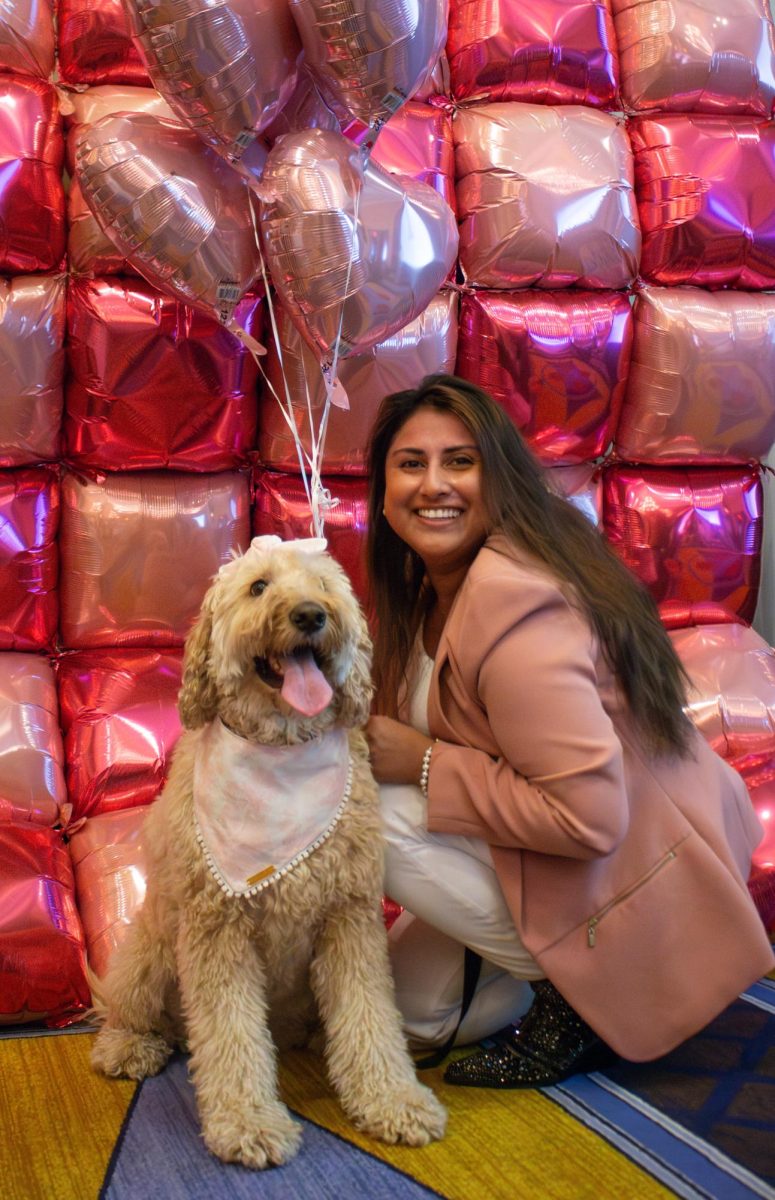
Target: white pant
[(449, 887)]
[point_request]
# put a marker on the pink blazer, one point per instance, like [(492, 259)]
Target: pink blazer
[(625, 874)]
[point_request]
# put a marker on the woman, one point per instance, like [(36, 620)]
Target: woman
[(557, 773)]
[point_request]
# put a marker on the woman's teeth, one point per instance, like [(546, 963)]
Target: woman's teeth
[(438, 514)]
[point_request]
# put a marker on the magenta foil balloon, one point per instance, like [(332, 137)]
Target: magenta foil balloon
[(32, 198), (758, 772), (350, 246), (704, 186), (556, 362), (683, 56), (32, 781), (27, 37), (700, 387), (545, 197), (545, 52), (29, 558), (95, 44), (417, 142), (32, 364), (172, 206)]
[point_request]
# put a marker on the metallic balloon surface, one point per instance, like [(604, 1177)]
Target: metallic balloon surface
[(696, 55), (691, 535), (556, 362), (32, 781), (348, 242), (371, 54), (32, 363), (545, 197), (306, 108), (105, 100), (27, 37), (172, 206), (423, 347), (700, 387), (95, 44), (120, 722), (139, 550), (758, 772), (704, 185), (582, 486), (32, 198), (110, 867), (153, 383), (417, 143), (546, 52), (41, 937), (29, 558)]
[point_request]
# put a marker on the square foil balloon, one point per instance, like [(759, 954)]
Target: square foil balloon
[(139, 551), (696, 55), (545, 197), (417, 141), (691, 535), (32, 198), (32, 364), (556, 362), (155, 383), (27, 37), (32, 780), (700, 387), (704, 186), (545, 52), (120, 722), (29, 558), (95, 44)]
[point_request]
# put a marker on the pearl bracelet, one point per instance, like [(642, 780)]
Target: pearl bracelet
[(425, 772)]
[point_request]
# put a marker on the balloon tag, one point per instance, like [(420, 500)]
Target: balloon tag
[(338, 396), (250, 343)]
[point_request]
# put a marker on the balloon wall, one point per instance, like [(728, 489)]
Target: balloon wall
[(226, 233)]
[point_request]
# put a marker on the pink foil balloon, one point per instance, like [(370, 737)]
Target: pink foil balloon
[(306, 108), (95, 44), (41, 937), (120, 721), (732, 694), (704, 186), (758, 772), (110, 866), (700, 387), (32, 363), (582, 485), (545, 197), (692, 535), (417, 142), (139, 550), (371, 55), (547, 52), (556, 362), (27, 37), (153, 383), (32, 198), (172, 206), (29, 559), (696, 55), (376, 270), (32, 781), (423, 347)]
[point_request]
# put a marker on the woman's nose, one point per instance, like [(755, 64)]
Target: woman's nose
[(435, 480)]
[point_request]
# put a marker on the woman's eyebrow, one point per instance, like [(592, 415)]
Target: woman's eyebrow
[(446, 450)]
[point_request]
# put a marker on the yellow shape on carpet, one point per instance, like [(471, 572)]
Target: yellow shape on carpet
[(60, 1119)]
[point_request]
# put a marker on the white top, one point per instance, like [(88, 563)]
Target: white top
[(419, 687)]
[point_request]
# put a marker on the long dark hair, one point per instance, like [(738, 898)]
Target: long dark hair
[(522, 506)]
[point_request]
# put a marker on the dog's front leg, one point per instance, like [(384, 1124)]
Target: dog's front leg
[(368, 1060), (233, 1059)]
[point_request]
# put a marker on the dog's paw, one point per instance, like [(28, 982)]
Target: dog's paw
[(262, 1137), (412, 1116), (134, 1055)]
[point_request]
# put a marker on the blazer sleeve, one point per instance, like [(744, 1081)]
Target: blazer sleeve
[(557, 786)]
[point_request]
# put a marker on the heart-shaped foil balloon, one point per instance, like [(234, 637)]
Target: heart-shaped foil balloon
[(355, 253), (173, 207)]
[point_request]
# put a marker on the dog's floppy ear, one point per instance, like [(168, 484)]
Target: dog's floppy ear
[(356, 689), (198, 698)]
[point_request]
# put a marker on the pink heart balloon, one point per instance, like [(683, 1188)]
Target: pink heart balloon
[(346, 241)]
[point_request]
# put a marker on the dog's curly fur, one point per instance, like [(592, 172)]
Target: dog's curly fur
[(206, 970)]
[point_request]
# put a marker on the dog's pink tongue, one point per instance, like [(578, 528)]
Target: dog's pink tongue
[(305, 687)]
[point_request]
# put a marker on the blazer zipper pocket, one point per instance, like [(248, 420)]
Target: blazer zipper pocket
[(593, 922)]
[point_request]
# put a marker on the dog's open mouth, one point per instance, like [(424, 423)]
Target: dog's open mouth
[(298, 677)]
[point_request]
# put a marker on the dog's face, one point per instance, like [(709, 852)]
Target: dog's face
[(280, 646)]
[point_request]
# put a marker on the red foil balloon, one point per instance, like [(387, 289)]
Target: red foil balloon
[(41, 937), (556, 362), (693, 537), (120, 721), (154, 383), (32, 781), (423, 347), (546, 52), (761, 885), (27, 37), (281, 508), (732, 694), (32, 198), (29, 521), (759, 775), (95, 44), (32, 361), (582, 485), (545, 197), (417, 142), (109, 862), (138, 553), (704, 185), (700, 387), (717, 56)]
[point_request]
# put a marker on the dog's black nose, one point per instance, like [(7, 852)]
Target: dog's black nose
[(308, 617)]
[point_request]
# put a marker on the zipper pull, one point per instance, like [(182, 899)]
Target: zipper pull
[(591, 927)]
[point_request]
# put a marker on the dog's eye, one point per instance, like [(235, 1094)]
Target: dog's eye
[(258, 586)]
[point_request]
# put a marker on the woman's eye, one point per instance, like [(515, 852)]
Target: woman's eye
[(411, 464), (258, 586)]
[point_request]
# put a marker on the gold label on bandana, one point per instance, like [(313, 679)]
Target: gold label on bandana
[(260, 875)]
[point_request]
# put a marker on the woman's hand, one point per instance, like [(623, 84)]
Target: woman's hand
[(396, 750)]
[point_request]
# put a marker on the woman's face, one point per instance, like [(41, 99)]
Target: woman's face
[(433, 489)]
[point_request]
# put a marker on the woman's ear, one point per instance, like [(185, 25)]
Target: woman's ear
[(198, 697)]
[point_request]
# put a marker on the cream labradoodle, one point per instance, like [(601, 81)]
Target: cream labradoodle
[(265, 871)]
